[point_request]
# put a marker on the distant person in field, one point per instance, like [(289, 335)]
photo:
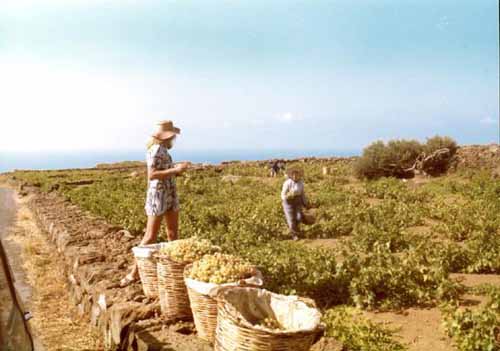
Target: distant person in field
[(161, 199), (294, 200), (276, 167)]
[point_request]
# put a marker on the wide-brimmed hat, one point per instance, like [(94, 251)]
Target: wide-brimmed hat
[(166, 130)]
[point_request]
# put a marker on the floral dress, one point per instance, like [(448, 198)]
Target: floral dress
[(162, 193)]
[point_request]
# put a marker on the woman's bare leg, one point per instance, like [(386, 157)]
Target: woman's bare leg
[(172, 219), (152, 229)]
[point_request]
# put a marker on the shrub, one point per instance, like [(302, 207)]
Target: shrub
[(384, 280), (474, 330), (357, 333), (439, 165), (391, 160), (438, 142), (397, 156), (297, 270)]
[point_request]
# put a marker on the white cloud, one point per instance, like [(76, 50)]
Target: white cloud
[(488, 120), (443, 23), (288, 117)]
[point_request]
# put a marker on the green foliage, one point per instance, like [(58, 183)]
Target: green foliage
[(381, 279), (120, 201), (395, 189), (359, 334), (379, 261), (395, 157), (384, 160), (438, 142), (293, 269), (483, 252), (474, 330)]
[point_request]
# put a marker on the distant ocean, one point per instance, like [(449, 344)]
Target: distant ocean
[(62, 160)]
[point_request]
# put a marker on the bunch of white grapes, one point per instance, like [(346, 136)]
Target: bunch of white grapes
[(292, 194), (220, 269), (270, 323), (188, 250)]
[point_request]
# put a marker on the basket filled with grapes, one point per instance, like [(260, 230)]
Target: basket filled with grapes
[(172, 258), (254, 319), (204, 278)]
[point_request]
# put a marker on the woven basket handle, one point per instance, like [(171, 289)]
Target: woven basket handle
[(241, 284)]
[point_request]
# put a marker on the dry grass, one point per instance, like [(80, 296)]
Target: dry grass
[(55, 320)]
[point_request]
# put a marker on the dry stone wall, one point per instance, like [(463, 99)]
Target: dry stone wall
[(96, 256)]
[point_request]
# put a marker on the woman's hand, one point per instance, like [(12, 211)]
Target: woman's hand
[(181, 167)]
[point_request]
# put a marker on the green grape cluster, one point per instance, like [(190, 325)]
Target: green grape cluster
[(270, 323), (188, 250), (221, 268), (291, 194)]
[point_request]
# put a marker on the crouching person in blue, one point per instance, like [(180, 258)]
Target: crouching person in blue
[(294, 200)]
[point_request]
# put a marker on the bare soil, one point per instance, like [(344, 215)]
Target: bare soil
[(420, 329), (472, 280), (43, 288)]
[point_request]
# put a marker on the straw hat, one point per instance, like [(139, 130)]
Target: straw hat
[(166, 130), (295, 170)]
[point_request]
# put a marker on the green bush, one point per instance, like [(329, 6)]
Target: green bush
[(477, 330), (386, 160), (439, 165), (297, 270), (394, 158), (384, 280), (438, 142), (357, 333)]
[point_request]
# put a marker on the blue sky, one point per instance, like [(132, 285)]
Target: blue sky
[(246, 74)]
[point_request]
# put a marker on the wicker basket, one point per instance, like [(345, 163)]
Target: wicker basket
[(146, 264), (174, 300), (204, 307), (240, 308), (204, 310), (308, 217)]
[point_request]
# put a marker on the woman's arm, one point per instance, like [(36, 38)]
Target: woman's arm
[(162, 174), (285, 189), (166, 173)]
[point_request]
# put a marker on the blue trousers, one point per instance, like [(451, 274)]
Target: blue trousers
[(293, 214)]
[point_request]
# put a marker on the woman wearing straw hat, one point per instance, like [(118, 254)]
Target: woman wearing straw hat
[(294, 200), (161, 199)]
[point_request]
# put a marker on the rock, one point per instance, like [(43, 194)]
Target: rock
[(125, 235), (231, 178)]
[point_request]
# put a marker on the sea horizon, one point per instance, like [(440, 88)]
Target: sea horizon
[(51, 160)]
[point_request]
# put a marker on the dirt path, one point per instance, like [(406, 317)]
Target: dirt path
[(40, 281), (419, 329), (8, 213)]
